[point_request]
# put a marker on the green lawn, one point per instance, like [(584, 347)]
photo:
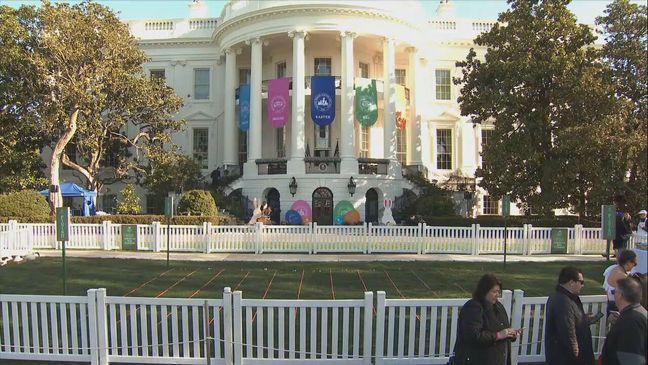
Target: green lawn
[(282, 280)]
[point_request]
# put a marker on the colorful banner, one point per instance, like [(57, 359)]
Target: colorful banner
[(401, 107), (278, 102), (323, 100), (366, 102), (244, 107)]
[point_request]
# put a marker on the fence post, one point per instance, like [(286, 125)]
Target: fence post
[(314, 238), (106, 233), (420, 238), (102, 326), (365, 235), (368, 235), (237, 325), (475, 239), (157, 236), (311, 239), (527, 240), (207, 228), (227, 324), (516, 322), (13, 233), (368, 312), (93, 342), (258, 237), (578, 239), (380, 327)]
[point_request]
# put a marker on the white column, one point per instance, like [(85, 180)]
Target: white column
[(415, 137), (254, 140), (389, 109), (295, 165), (349, 162), (229, 130)]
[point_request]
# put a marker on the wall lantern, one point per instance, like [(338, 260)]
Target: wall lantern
[(293, 186), (351, 186)]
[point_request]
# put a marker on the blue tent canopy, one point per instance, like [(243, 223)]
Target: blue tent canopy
[(69, 189)]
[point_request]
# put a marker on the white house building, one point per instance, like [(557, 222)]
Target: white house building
[(411, 56)]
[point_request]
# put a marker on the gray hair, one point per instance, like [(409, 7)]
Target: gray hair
[(629, 289)]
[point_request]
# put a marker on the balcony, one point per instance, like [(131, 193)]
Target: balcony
[(271, 166), (322, 165), (373, 166)]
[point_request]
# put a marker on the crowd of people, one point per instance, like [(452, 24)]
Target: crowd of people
[(485, 335)]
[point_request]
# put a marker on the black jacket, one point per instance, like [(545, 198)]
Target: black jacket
[(626, 342), (477, 332), (567, 330)]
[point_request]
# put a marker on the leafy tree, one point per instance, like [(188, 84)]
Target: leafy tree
[(625, 28), (170, 171), (543, 87), (129, 202), (84, 72)]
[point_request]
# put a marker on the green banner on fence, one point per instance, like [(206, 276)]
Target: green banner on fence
[(559, 240), (129, 237), (63, 224)]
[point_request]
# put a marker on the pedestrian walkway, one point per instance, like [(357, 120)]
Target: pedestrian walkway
[(288, 257)]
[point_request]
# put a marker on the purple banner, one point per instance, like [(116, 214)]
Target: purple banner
[(278, 102)]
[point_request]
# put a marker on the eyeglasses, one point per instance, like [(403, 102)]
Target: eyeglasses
[(582, 282)]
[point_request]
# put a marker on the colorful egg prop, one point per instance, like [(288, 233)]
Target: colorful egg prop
[(339, 220), (293, 218), (352, 217), (303, 208), (307, 220), (342, 208)]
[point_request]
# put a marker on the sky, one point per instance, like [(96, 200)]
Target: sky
[(585, 10)]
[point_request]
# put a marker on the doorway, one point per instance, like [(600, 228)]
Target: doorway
[(323, 206), (274, 201), (371, 206)]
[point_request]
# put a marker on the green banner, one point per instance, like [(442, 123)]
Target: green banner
[(506, 206), (366, 102), (129, 237), (559, 240), (62, 224), (608, 222)]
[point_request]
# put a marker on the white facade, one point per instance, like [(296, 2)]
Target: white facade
[(206, 59)]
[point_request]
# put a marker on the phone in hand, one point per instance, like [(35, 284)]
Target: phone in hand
[(596, 317)]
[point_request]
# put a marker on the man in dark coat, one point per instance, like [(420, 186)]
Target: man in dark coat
[(626, 342), (568, 340)]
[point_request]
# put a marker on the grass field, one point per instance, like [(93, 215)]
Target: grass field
[(277, 280)]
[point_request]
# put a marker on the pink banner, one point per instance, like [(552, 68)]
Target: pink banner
[(278, 102)]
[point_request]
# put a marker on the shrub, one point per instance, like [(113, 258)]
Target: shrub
[(26, 203), (197, 202), (129, 202)]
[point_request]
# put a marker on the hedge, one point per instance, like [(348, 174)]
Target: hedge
[(512, 221), (134, 219), (24, 203)]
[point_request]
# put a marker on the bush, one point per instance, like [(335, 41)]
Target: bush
[(197, 202), (26, 203), (512, 221), (129, 202)]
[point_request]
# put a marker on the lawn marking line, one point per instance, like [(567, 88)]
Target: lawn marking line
[(207, 283), (176, 283), (265, 294), (148, 282), (365, 289), (241, 282), (331, 280), (399, 292), (425, 284), (461, 288), (301, 282)]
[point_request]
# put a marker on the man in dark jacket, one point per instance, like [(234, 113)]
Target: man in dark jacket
[(626, 342), (568, 340)]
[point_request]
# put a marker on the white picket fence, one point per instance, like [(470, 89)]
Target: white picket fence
[(312, 238), (235, 331), (16, 242)]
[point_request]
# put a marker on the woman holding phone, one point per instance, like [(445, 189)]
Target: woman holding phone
[(484, 334)]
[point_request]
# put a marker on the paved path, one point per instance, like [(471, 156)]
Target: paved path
[(294, 257)]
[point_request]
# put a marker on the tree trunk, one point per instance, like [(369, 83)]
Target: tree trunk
[(56, 199)]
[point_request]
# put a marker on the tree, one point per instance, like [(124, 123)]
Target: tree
[(129, 202), (170, 171), (625, 28), (85, 71), (543, 87)]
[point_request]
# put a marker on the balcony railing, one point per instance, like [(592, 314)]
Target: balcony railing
[(322, 165), (373, 166), (271, 166)]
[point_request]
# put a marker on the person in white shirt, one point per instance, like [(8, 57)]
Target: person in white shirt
[(641, 236)]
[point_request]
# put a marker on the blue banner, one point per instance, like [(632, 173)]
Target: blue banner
[(323, 100), (244, 107)]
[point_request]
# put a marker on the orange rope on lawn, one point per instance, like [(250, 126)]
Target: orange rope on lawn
[(265, 294), (176, 283), (148, 282), (398, 290), (241, 282), (365, 288), (301, 281), (207, 283), (425, 284), (332, 287)]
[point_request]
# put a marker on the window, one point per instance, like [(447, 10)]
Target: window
[(154, 204), (244, 76), (242, 146), (71, 152), (401, 76), (364, 142), (486, 136), (281, 69), (281, 142), (442, 84), (491, 206), (401, 146), (323, 67), (201, 146), (444, 149), (322, 138), (108, 203), (158, 74), (112, 155), (201, 83), (364, 70)]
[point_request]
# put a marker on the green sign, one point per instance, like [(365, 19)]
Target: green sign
[(559, 240), (168, 207), (608, 222), (129, 237), (63, 224), (506, 206)]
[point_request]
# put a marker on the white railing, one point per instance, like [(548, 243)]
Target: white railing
[(15, 241), (313, 238), (101, 329)]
